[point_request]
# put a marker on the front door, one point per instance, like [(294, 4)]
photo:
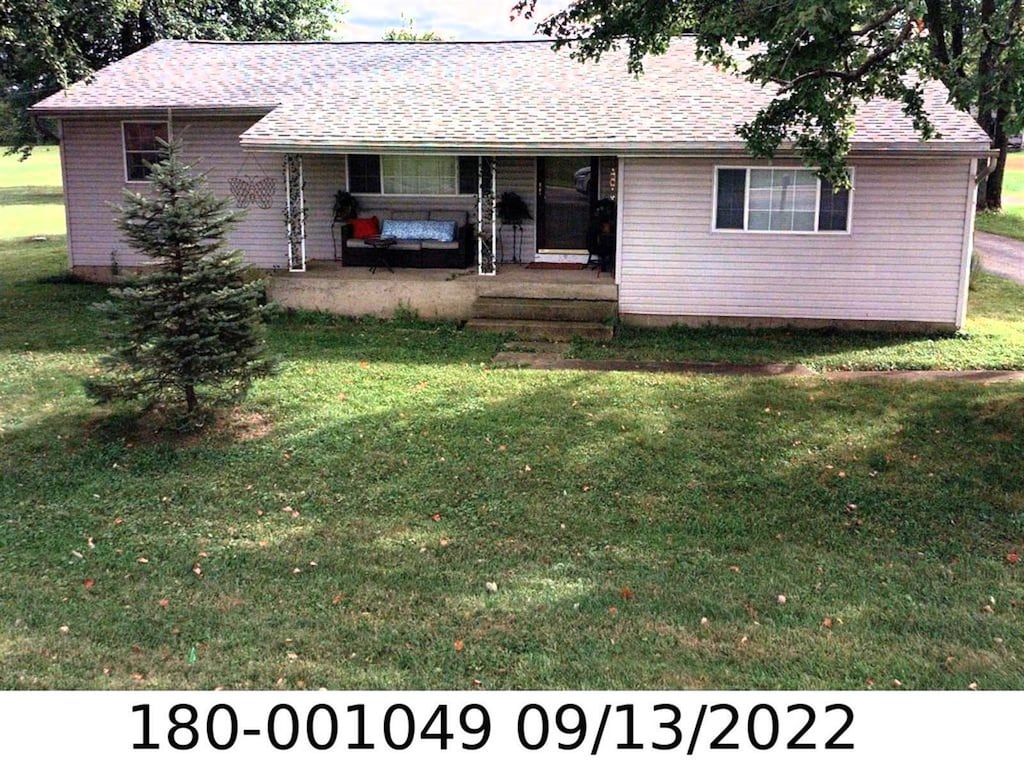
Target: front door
[(566, 189)]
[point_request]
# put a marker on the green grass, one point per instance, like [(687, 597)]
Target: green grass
[(993, 338), (1009, 222), (31, 199), (338, 530)]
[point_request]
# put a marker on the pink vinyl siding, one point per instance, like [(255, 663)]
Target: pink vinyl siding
[(95, 178), (901, 261)]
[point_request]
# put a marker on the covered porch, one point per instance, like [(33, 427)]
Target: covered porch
[(562, 197), (440, 294)]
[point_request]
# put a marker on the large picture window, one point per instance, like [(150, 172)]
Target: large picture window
[(141, 146), (779, 200), (437, 175)]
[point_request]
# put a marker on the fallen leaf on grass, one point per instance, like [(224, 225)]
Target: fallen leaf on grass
[(336, 600), (1013, 558), (142, 560), (163, 602), (89, 583), (626, 593), (459, 645), (436, 517), (826, 623), (491, 586)]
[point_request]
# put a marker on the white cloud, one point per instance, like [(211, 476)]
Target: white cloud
[(452, 19)]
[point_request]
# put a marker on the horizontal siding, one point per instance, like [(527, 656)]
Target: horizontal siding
[(519, 175), (901, 260), (94, 181)]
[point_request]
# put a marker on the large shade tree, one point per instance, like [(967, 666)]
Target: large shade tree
[(47, 44), (823, 57)]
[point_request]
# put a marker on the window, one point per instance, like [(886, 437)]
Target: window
[(419, 174), (364, 174), (142, 146), (779, 200), (412, 174)]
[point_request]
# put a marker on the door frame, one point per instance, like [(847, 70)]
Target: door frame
[(595, 183)]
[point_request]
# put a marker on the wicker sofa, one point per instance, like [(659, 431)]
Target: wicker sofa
[(409, 249)]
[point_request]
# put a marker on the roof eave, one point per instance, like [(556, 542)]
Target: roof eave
[(205, 110), (616, 147)]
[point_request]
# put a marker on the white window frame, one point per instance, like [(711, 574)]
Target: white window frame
[(380, 166), (775, 232), (124, 145)]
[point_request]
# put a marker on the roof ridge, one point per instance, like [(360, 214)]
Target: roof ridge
[(198, 41)]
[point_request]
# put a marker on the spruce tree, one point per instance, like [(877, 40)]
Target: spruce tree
[(190, 330)]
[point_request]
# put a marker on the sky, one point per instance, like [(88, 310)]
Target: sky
[(451, 19)]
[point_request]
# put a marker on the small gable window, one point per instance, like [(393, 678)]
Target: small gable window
[(779, 200), (142, 146)]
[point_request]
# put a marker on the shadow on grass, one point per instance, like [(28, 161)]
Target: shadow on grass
[(737, 345), (358, 532)]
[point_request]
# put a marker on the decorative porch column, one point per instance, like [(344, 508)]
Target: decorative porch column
[(295, 213), (486, 218)]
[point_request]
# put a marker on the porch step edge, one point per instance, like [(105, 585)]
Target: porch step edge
[(572, 310), (539, 290)]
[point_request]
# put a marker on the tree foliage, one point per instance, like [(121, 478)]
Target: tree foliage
[(822, 58), (194, 325), (45, 45), (407, 33)]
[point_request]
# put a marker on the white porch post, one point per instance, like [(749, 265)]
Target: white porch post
[(486, 218), (295, 212)]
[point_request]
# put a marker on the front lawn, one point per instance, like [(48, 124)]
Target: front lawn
[(31, 198), (338, 530)]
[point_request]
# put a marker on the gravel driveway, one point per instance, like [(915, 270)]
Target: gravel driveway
[(1001, 256)]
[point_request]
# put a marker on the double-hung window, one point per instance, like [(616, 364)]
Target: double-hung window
[(142, 145), (412, 175), (779, 200)]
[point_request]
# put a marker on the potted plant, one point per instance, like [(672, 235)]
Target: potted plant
[(345, 205), (511, 208)]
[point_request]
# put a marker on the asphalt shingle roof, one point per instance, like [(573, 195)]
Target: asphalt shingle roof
[(471, 96)]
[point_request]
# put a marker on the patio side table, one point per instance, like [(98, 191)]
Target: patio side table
[(381, 246)]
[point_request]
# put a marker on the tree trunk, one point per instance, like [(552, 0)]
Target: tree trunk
[(191, 401), (994, 184)]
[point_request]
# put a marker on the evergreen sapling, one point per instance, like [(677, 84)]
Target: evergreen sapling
[(191, 330)]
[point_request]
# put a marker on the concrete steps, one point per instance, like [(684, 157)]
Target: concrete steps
[(565, 310)]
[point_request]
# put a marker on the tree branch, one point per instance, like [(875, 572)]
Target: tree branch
[(1011, 22), (885, 18), (847, 75)]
